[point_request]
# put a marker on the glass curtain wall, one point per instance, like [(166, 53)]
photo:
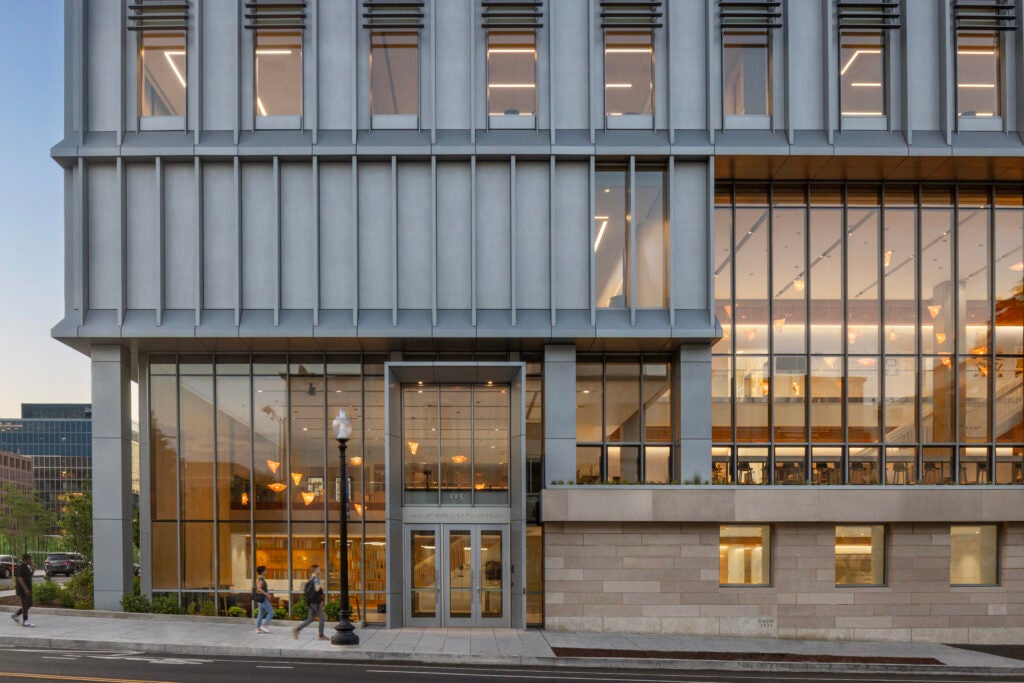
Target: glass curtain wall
[(244, 473), (871, 334), (163, 73)]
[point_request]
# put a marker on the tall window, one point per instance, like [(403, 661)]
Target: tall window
[(871, 334), (623, 420), (977, 74), (278, 73), (630, 252), (745, 72), (394, 73), (162, 73), (973, 555), (512, 74), (628, 73), (744, 555), (862, 73)]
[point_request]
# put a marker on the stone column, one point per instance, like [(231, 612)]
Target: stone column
[(559, 413), (111, 475), (693, 417)]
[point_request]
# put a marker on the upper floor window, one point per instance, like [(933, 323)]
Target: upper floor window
[(977, 74), (162, 63), (512, 61), (162, 74), (630, 239), (746, 60), (394, 62), (863, 58), (862, 73), (979, 70), (629, 62), (512, 75), (745, 72), (277, 30), (278, 73)]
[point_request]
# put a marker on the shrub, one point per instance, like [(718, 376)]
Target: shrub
[(332, 609), (280, 613), (300, 610), (136, 603), (167, 604), (137, 586), (78, 591), (204, 608), (45, 593), (236, 611)]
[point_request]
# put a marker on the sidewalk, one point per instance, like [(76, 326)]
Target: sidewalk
[(198, 636)]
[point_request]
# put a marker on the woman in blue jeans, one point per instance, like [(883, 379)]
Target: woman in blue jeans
[(261, 596)]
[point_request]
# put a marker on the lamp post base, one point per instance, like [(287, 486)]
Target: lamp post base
[(344, 632)]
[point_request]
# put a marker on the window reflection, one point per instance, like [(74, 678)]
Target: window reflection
[(862, 73), (278, 73), (394, 73), (745, 79), (511, 73), (163, 73), (977, 74), (628, 73)]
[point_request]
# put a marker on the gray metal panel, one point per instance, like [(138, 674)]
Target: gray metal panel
[(143, 237), (924, 77), (181, 236), (336, 64), (220, 54), (571, 235), (451, 29), (104, 41), (454, 261), (220, 247), (532, 243), (337, 235), (375, 245), (104, 240), (689, 236), (415, 255), (299, 252), (808, 51), (259, 236), (571, 58), (493, 235)]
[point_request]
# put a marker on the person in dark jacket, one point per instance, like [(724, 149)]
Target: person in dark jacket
[(23, 588)]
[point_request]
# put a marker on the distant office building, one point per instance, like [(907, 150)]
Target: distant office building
[(15, 469), (58, 439)]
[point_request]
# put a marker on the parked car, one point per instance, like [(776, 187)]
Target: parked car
[(64, 563), (7, 565)]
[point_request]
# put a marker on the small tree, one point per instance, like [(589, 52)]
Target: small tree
[(76, 523), (26, 519)]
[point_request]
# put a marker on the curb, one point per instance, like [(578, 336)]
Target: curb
[(383, 658)]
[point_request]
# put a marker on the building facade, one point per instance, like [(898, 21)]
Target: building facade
[(58, 439), (682, 317)]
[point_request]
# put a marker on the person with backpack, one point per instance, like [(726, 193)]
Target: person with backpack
[(261, 597), (313, 592), (23, 588)]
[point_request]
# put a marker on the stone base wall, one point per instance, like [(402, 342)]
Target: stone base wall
[(663, 578)]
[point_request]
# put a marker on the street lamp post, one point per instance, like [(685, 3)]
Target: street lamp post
[(344, 632)]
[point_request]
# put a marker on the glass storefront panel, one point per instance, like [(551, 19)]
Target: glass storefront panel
[(863, 404), (900, 466), (423, 586), (865, 466), (721, 398), (1009, 281), (234, 423), (751, 293), (827, 465), (197, 555), (936, 310), (163, 439), (901, 400), (1009, 465), (589, 401), (420, 415), (900, 267), (611, 258), (826, 280), (534, 575), (974, 404), (862, 278), (745, 72), (308, 442), (974, 465), (623, 464), (723, 278), (457, 447), (270, 435), (790, 465), (937, 465), (790, 398), (196, 451), (657, 464), (490, 445), (752, 465), (233, 556), (165, 556), (622, 402), (753, 386), (650, 241), (789, 300)]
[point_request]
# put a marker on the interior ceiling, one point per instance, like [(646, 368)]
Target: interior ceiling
[(890, 168)]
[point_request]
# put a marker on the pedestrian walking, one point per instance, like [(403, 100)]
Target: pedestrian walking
[(313, 592), (261, 597), (23, 588)]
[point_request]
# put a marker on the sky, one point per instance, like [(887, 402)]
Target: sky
[(33, 367)]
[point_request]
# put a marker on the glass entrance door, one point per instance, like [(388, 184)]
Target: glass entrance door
[(457, 575)]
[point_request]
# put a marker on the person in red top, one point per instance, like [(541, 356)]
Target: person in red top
[(23, 588)]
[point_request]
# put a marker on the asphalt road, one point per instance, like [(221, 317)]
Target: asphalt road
[(94, 666)]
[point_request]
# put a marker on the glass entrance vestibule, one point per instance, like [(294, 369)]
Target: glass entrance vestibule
[(456, 473)]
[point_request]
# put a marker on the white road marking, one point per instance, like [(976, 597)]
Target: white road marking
[(263, 666)]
